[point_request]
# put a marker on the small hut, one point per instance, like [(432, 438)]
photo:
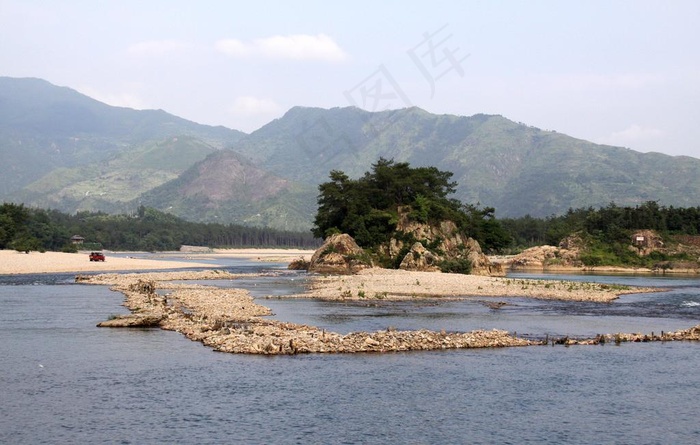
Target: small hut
[(77, 239)]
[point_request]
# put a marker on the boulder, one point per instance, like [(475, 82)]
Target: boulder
[(133, 321), (548, 257), (339, 254), (421, 259), (481, 265)]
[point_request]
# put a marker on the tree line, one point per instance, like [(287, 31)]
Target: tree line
[(147, 229), (610, 224)]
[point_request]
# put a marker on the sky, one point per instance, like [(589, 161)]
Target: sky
[(624, 73)]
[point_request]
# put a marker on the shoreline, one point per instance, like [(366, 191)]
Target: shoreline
[(506, 262), (229, 320), (380, 284), (18, 263), (14, 263), (605, 270)]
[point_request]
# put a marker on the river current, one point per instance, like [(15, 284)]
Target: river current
[(64, 381)]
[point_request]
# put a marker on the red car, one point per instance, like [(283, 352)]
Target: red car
[(97, 256)]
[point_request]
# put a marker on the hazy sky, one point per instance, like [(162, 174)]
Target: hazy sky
[(617, 72)]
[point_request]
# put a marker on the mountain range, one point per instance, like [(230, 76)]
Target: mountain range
[(63, 150)]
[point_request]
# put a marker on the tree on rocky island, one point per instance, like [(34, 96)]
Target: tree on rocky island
[(394, 206)]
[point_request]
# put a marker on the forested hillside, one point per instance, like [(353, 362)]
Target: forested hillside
[(63, 150)]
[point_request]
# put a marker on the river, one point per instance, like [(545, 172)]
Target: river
[(62, 380)]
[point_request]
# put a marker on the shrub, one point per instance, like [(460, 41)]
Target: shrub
[(462, 265)]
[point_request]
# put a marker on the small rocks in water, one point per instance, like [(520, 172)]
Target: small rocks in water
[(229, 320), (132, 321), (495, 304)]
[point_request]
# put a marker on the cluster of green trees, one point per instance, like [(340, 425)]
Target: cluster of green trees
[(607, 231), (368, 208), (25, 229), (608, 224)]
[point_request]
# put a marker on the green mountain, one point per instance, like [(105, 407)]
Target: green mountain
[(44, 128), (61, 149), (227, 188), (498, 163), (111, 185)]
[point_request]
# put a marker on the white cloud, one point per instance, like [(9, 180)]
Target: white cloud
[(249, 105), (151, 48), (302, 47), (296, 47), (233, 47), (634, 135)]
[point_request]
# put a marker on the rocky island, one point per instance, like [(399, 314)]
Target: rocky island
[(229, 320)]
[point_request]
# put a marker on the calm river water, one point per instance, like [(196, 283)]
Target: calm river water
[(64, 381)]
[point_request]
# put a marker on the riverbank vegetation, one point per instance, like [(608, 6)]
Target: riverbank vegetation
[(26, 229), (607, 235)]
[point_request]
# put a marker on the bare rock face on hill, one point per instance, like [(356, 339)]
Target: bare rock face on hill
[(415, 247), (646, 242), (446, 243), (339, 254)]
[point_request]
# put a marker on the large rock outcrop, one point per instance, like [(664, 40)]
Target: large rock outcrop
[(565, 256), (546, 258), (339, 254), (445, 241), (414, 246)]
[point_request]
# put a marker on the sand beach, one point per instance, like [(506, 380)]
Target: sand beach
[(13, 262), (375, 283)]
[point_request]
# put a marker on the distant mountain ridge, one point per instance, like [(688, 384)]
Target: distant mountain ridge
[(515, 168), (63, 150), (44, 127)]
